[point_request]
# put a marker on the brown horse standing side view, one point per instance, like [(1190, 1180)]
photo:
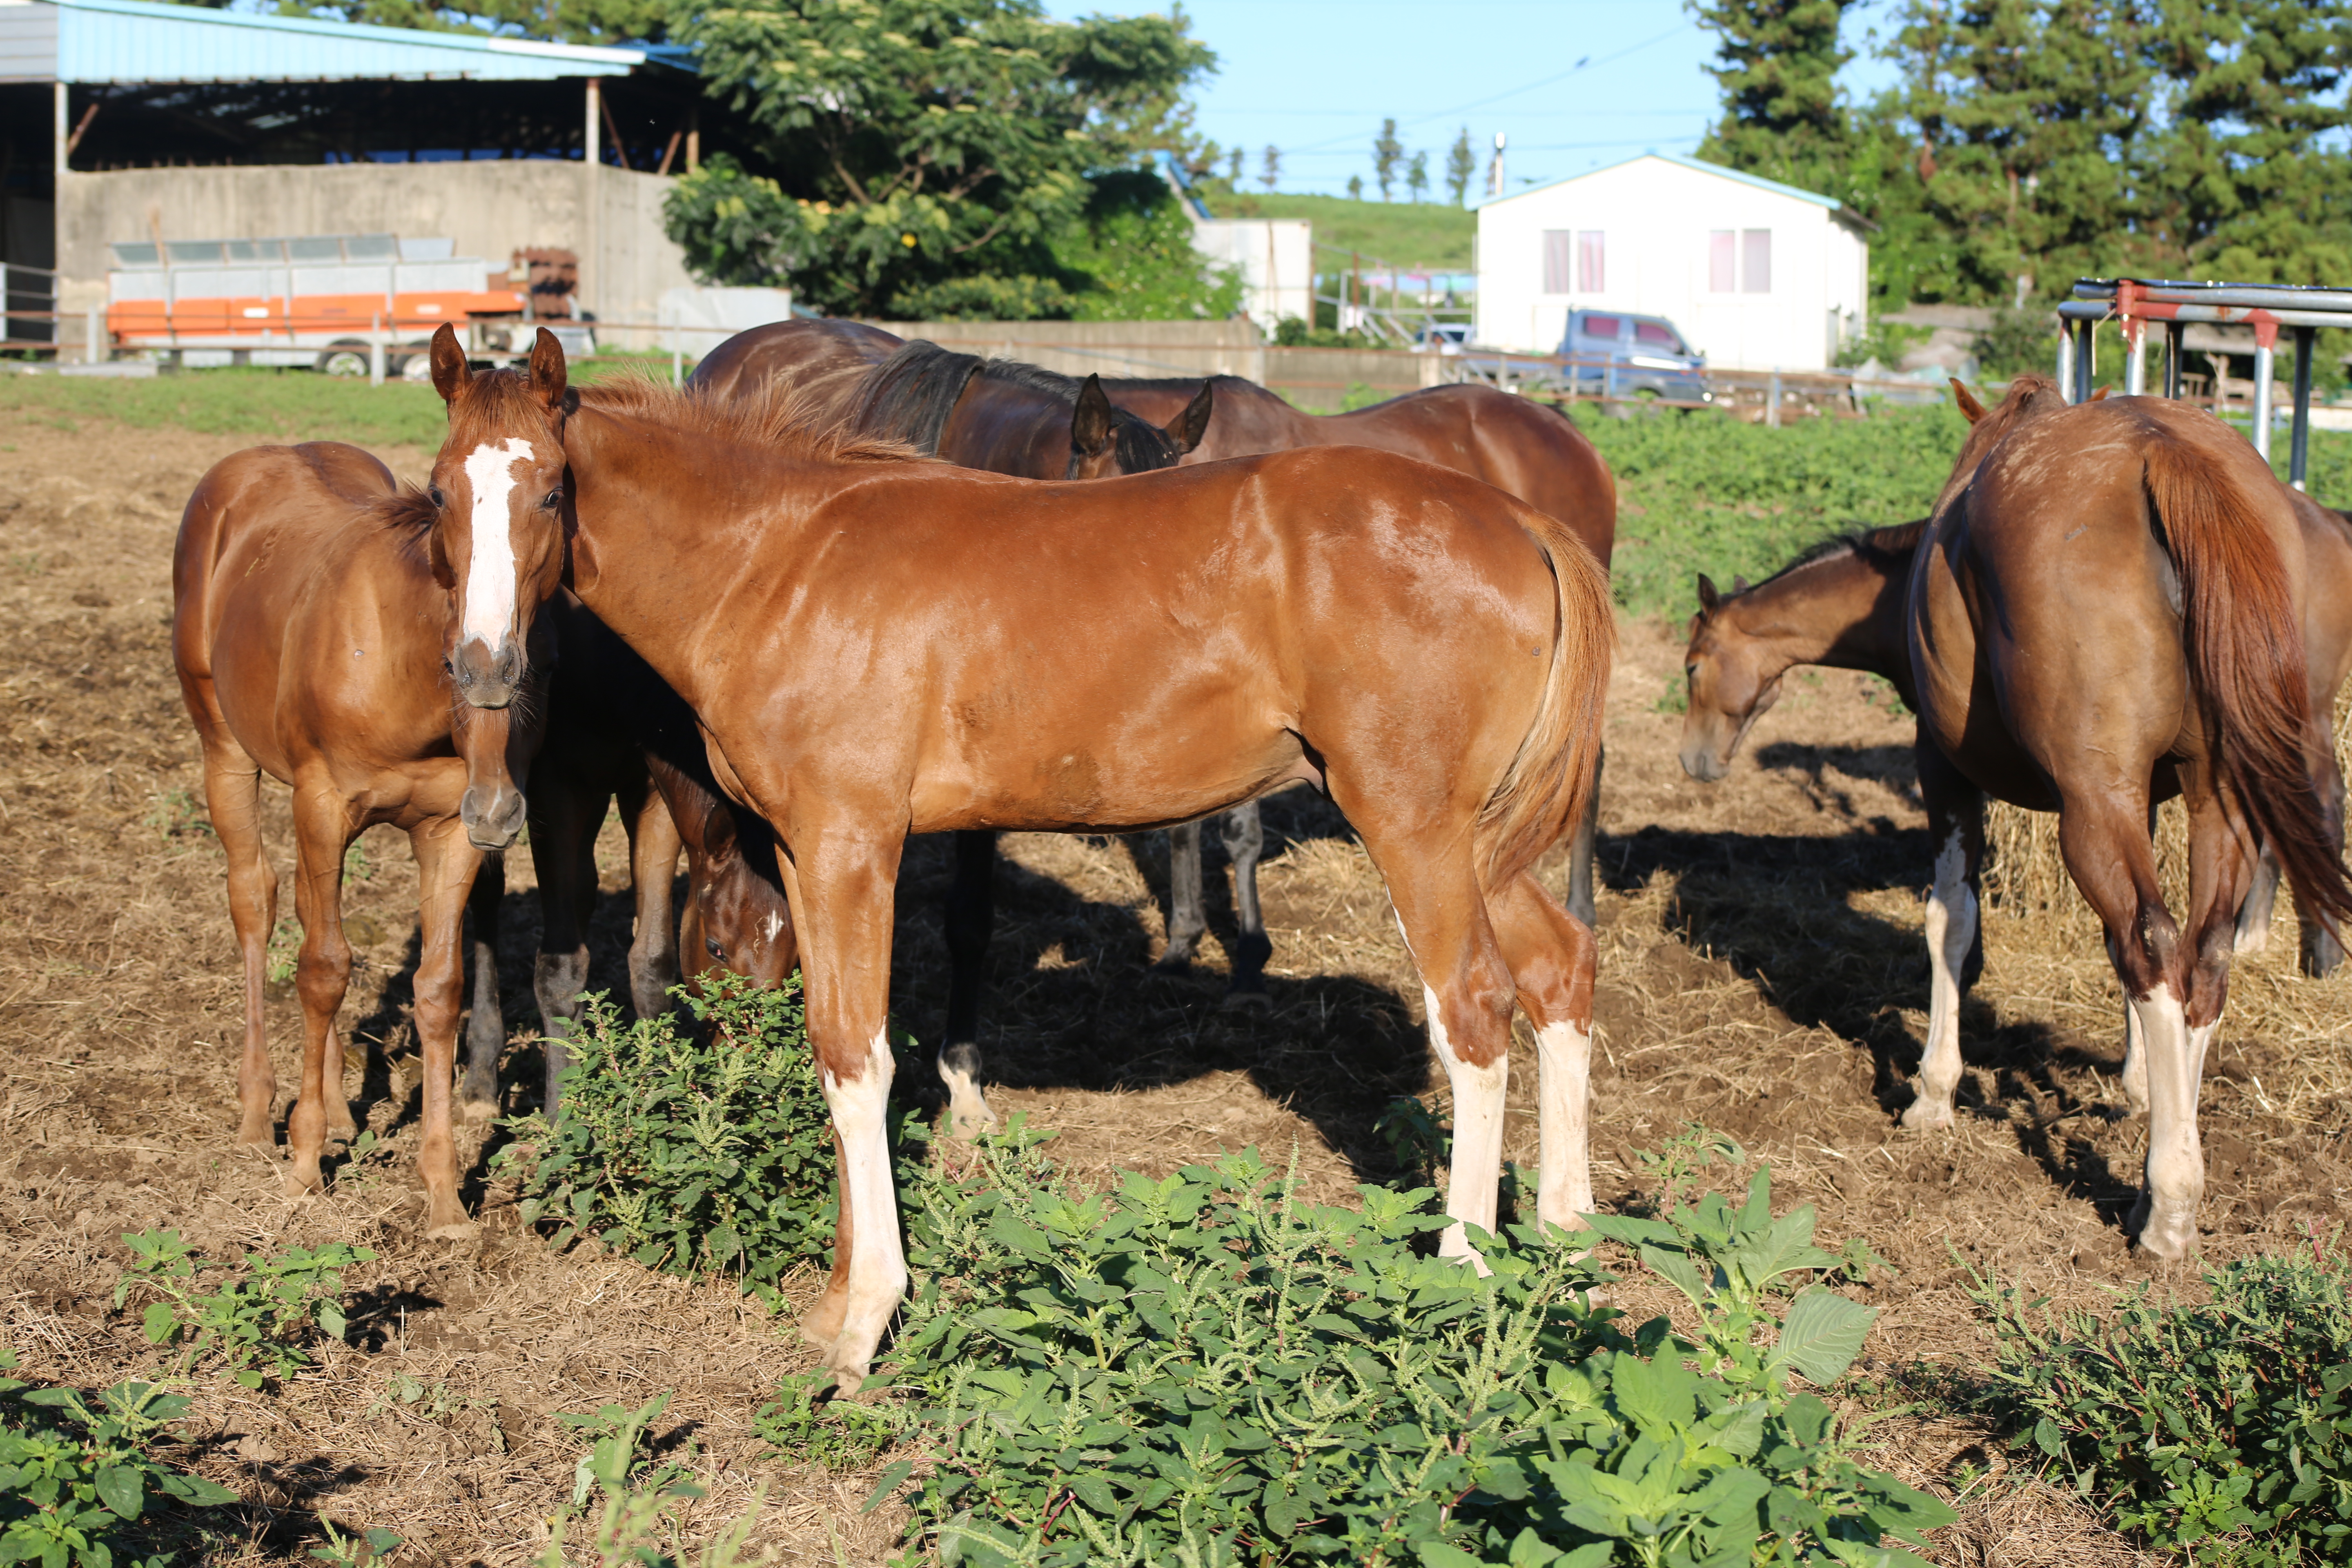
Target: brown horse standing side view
[(2108, 603), (311, 635), (1515, 445), (877, 648)]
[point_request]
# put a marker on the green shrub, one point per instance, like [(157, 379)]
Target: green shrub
[(261, 1315), (630, 1498), (706, 1150), (1205, 1369), (2229, 1422), (75, 1482)]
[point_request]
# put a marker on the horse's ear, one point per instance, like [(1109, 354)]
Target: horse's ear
[(547, 369), (1707, 598), (1090, 421), (1187, 428), (1966, 401), (451, 374), (2100, 395), (1738, 586)]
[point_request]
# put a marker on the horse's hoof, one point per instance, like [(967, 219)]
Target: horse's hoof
[(2250, 943), (820, 1324), (304, 1181), (258, 1134), (2168, 1233), (967, 1127), (476, 1113), (1253, 1000), (1927, 1115), (453, 1230), (1173, 962)]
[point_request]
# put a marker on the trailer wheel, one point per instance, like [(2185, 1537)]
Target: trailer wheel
[(417, 368), (345, 358)]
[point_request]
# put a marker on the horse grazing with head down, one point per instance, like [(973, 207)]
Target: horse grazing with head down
[(875, 648), (2112, 603), (322, 618)]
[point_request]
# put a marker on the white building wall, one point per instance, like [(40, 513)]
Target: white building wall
[(1658, 214), (1276, 258)]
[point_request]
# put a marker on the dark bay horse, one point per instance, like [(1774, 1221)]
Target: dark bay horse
[(1518, 446), (875, 648), (312, 631), (2109, 604)]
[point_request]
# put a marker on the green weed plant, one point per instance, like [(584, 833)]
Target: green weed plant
[(260, 1315), (1205, 1369), (694, 1150), (2223, 1429), (629, 1499), (77, 1483)]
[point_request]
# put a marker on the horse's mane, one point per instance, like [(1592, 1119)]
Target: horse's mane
[(775, 418), (909, 396), (1883, 542), (408, 508)]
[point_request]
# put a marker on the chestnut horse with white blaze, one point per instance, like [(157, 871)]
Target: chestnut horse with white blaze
[(2109, 603), (877, 646), (315, 632)]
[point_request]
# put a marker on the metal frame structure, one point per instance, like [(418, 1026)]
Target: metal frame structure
[(2133, 303)]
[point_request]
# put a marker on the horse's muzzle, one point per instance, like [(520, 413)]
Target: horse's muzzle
[(486, 678), (1703, 765), (492, 813)]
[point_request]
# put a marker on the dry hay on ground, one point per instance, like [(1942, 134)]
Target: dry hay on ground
[(1762, 972)]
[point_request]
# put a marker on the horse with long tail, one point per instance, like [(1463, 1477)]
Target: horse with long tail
[(875, 648), (316, 639), (2110, 602)]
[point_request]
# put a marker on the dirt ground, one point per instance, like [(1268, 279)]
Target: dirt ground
[(1762, 972)]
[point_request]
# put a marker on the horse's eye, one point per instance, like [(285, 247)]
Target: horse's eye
[(555, 500), (1690, 670), (714, 948), (433, 493)]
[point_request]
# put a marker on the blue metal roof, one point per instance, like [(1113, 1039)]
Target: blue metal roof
[(126, 41), (1700, 164)]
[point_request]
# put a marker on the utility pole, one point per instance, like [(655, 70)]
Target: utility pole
[(1495, 168)]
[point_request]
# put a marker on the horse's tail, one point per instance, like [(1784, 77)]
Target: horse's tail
[(2246, 658), (1542, 793)]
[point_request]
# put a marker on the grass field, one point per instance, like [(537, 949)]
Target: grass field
[(1409, 234)]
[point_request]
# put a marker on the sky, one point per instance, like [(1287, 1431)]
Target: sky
[(1575, 84)]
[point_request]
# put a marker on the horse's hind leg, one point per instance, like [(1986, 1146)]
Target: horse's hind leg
[(2321, 952), (233, 798), (1552, 958), (1245, 835), (654, 846), (1580, 850), (970, 917), (1186, 918), (446, 866), (1955, 828), (486, 1027), (2253, 931), (322, 831)]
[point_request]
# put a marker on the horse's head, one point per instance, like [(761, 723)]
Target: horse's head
[(498, 488), (1729, 688), (736, 915), (1107, 440)]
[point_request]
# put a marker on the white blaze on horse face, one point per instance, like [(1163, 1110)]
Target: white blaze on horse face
[(1477, 1169), (775, 923), (490, 585), (1563, 1098), (1951, 931), (877, 1262)]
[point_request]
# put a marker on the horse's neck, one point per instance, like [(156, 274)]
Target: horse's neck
[(1843, 611)]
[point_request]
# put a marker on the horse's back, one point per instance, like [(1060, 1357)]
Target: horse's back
[(821, 360), (253, 526)]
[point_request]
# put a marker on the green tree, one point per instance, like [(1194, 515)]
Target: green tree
[(2237, 180), (917, 141), (1416, 176), (1461, 166), (1777, 65), (1387, 151), (1270, 167), (1356, 188)]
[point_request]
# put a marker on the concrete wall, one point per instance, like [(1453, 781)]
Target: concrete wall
[(1145, 349), (490, 208)]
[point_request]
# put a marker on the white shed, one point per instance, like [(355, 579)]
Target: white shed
[(1758, 275)]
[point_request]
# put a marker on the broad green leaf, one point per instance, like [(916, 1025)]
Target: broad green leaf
[(123, 1488), (1822, 1334)]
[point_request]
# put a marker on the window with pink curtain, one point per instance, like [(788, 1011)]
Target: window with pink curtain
[(1723, 261), (1756, 261), (1558, 246), (1591, 261)]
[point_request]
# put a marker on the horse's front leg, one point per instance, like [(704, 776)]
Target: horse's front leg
[(1245, 835), (1955, 828), (447, 862), (1186, 918), (843, 878), (486, 1027), (971, 917)]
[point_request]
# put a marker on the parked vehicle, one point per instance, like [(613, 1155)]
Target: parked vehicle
[(1620, 354)]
